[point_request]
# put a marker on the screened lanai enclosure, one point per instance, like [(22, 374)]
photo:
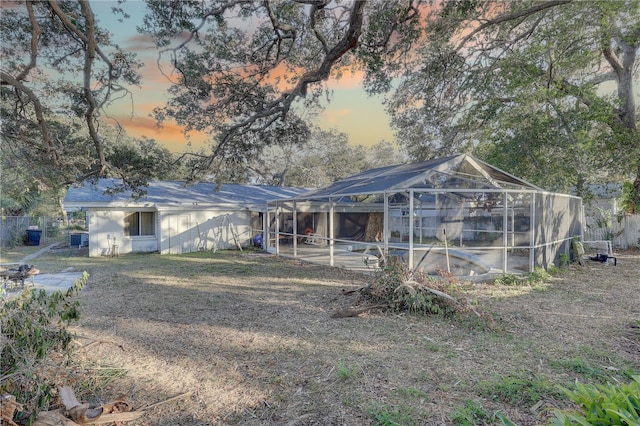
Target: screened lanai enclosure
[(455, 214)]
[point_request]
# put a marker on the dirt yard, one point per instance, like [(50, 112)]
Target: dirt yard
[(248, 339)]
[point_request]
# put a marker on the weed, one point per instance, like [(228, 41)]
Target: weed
[(538, 276), (518, 391), (412, 392), (432, 347), (509, 280), (565, 260), (345, 373), (425, 377), (623, 370), (470, 413), (553, 270), (394, 416), (581, 366), (99, 379)]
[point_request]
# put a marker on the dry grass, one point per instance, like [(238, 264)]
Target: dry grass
[(251, 336)]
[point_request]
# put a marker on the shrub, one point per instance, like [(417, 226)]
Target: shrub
[(602, 405), (34, 326)]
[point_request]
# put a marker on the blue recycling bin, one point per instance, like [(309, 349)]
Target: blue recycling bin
[(33, 237)]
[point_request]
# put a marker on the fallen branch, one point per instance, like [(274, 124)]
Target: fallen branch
[(354, 312), (355, 290), (442, 294), (57, 418), (432, 290), (84, 414), (94, 342), (183, 395)]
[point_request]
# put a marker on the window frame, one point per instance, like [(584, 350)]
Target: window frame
[(144, 228)]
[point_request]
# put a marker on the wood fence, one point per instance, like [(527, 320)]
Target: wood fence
[(623, 232)]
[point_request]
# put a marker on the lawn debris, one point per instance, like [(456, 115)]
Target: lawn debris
[(354, 312), (8, 408), (76, 413)]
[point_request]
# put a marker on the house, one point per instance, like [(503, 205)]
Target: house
[(457, 214), (172, 218)]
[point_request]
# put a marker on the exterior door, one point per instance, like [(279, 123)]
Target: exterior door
[(180, 234)]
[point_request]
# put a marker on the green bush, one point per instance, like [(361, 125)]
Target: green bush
[(34, 332), (629, 198), (17, 237)]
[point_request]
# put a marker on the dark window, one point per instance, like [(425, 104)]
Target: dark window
[(139, 223)]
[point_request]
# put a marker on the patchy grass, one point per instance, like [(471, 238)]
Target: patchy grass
[(251, 337)]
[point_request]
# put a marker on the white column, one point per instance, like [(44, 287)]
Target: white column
[(331, 232), (411, 216)]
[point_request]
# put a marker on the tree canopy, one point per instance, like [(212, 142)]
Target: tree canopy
[(522, 84), (59, 72), (542, 89)]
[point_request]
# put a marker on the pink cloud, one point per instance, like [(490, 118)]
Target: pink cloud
[(333, 116), (170, 135)]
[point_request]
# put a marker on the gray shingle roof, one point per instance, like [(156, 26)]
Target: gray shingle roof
[(168, 193)]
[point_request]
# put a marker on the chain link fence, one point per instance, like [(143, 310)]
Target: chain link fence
[(13, 229)]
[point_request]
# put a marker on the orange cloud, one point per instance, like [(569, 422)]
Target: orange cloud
[(333, 116), (170, 135)]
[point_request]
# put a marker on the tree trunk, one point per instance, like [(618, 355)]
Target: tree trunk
[(636, 186), (63, 212)]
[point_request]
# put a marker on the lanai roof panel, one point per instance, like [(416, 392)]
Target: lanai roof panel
[(440, 173)]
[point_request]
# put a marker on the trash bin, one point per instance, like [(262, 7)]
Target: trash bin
[(33, 237)]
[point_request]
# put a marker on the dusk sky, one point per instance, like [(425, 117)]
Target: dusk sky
[(350, 109)]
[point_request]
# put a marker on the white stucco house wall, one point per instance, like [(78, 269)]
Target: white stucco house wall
[(172, 218)]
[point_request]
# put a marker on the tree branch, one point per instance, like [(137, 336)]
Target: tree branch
[(510, 17), (35, 33), (280, 106), (39, 111)]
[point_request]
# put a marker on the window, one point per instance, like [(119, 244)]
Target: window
[(139, 223)]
